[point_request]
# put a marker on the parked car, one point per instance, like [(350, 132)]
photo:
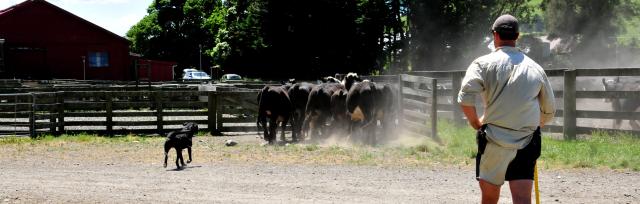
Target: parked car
[(194, 74), (231, 78)]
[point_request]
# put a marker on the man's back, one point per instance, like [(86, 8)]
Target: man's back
[(514, 90)]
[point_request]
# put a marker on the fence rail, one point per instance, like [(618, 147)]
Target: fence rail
[(423, 98), (111, 112), (568, 111)]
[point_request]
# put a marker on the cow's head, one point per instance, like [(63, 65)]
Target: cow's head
[(350, 79), (330, 79), (610, 85)]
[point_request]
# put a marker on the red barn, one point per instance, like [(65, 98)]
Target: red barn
[(43, 41)]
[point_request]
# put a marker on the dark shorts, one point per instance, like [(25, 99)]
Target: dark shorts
[(523, 165)]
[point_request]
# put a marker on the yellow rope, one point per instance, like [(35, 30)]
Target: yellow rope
[(535, 180)]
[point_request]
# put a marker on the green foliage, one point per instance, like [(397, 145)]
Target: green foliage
[(450, 34), (307, 39), (593, 29), (175, 30)]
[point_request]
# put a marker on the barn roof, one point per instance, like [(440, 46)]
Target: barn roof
[(30, 3)]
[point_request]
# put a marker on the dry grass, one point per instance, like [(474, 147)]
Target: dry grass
[(457, 148), (209, 149)]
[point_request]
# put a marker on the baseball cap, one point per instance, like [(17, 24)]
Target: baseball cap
[(505, 24)]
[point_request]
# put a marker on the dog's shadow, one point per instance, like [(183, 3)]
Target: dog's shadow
[(183, 168)]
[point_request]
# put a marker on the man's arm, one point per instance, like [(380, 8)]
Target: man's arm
[(547, 102), (472, 116), (472, 84)]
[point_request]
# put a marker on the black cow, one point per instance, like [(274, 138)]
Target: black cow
[(368, 103), (350, 79), (338, 104), (318, 110), (623, 104), (329, 79), (274, 105), (321, 107), (299, 96)]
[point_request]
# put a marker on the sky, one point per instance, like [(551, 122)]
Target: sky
[(116, 16)]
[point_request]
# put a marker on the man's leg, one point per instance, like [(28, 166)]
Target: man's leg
[(490, 192), (521, 191)]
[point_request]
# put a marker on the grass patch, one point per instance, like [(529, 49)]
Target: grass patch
[(458, 147), (617, 151), (75, 138), (600, 150)]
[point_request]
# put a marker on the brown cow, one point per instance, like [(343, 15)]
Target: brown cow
[(368, 103)]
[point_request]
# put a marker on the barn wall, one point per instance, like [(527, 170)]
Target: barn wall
[(44, 41)]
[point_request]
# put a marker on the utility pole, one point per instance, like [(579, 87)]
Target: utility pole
[(200, 55), (84, 68)]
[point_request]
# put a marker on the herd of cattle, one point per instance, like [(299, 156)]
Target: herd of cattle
[(351, 107)]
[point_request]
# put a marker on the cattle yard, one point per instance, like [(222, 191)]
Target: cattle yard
[(156, 108)]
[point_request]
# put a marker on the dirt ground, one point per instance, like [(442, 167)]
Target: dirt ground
[(113, 174)]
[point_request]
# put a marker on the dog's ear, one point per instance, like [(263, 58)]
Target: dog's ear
[(185, 123)]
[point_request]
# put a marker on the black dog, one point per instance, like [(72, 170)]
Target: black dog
[(180, 140)]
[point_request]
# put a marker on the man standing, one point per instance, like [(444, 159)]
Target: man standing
[(517, 101)]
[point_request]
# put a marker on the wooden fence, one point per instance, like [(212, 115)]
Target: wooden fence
[(425, 97), (417, 105), (122, 112), (568, 112)]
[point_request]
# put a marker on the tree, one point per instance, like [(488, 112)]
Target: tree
[(175, 30), (447, 35), (305, 39), (238, 43), (591, 26)]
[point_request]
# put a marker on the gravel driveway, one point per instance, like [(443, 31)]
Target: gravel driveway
[(86, 174)]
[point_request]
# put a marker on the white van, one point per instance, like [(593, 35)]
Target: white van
[(194, 74)]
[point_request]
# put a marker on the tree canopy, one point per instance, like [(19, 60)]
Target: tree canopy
[(308, 39)]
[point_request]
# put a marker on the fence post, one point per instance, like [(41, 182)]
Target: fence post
[(32, 116), (60, 101), (456, 82), (400, 111), (159, 116), (212, 112), (109, 107), (434, 109), (52, 113), (569, 110), (218, 108)]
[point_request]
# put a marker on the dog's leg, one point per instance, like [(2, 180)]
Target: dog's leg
[(178, 158), (166, 157), (167, 147), (189, 151), (182, 159)]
